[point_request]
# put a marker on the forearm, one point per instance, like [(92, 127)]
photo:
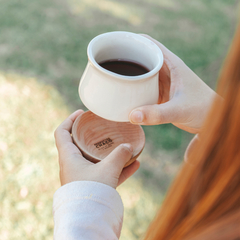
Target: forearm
[(87, 210)]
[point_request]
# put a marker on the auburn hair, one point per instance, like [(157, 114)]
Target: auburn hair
[(204, 199)]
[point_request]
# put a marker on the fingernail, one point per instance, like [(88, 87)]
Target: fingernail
[(136, 116), (128, 145)]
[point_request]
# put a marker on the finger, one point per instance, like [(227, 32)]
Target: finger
[(190, 149), (128, 171), (164, 84), (63, 132), (117, 159), (156, 114), (170, 58), (68, 122)]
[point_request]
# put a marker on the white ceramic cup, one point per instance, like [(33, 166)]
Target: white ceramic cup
[(113, 96)]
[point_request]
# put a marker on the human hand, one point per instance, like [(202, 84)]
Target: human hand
[(191, 147), (184, 99), (74, 167)]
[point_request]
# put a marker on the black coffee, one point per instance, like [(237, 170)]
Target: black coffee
[(124, 67)]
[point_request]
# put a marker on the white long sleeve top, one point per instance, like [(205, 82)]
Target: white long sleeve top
[(86, 210)]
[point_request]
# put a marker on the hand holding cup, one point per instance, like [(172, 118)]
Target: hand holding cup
[(184, 99)]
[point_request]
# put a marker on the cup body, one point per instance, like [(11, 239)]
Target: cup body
[(113, 96)]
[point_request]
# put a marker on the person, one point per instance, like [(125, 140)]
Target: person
[(203, 201)]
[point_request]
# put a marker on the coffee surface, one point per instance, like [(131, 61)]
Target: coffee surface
[(124, 67)]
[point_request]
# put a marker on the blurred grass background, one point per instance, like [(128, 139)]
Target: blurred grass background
[(42, 57)]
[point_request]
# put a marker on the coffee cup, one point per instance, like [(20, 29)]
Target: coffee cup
[(112, 95)]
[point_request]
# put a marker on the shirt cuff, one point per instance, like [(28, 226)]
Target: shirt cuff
[(89, 190)]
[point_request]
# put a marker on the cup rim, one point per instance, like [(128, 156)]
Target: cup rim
[(124, 77)]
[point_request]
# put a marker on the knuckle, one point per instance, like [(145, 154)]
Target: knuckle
[(160, 116), (157, 114), (173, 68), (154, 115), (124, 150), (174, 63)]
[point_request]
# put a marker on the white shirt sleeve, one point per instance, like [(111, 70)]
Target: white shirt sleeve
[(88, 211)]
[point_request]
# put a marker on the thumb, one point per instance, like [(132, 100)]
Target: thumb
[(168, 112), (117, 159)]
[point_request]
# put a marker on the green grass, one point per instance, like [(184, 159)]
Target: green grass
[(47, 40), (28, 170), (29, 166)]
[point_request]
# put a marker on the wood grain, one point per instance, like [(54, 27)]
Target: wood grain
[(97, 137)]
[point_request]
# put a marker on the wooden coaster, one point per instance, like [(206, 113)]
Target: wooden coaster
[(97, 137)]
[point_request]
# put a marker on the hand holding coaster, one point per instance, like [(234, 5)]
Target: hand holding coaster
[(121, 75), (96, 137)]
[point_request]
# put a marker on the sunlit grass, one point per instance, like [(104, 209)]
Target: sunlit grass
[(129, 12), (30, 112), (29, 170), (140, 208)]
